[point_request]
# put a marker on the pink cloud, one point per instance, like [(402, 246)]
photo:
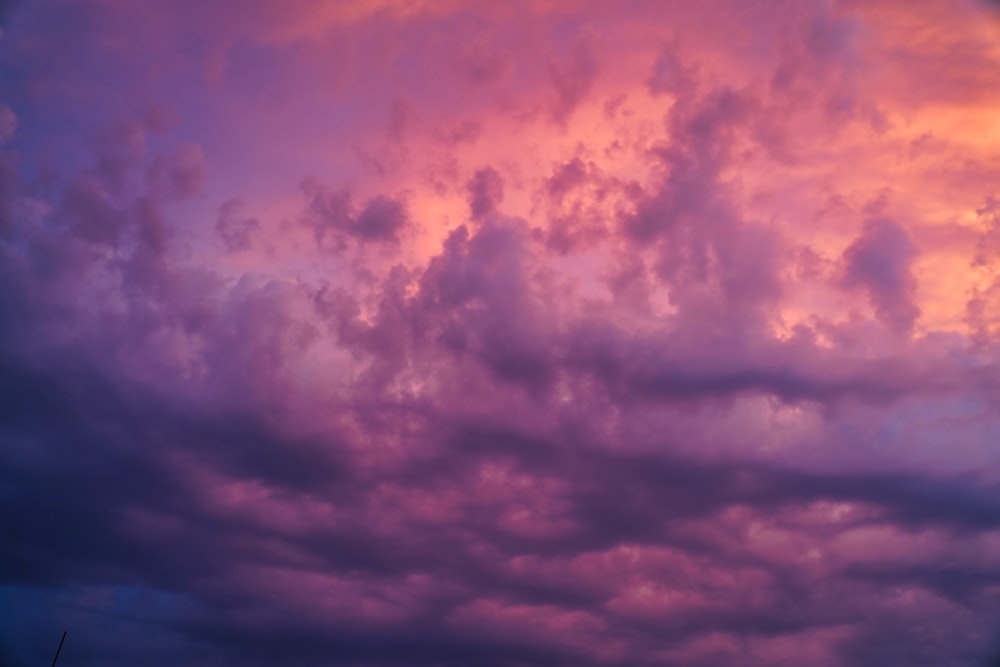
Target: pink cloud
[(554, 333)]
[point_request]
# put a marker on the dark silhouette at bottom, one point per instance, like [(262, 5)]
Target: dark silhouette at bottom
[(59, 650)]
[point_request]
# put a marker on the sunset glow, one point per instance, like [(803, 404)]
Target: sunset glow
[(542, 333)]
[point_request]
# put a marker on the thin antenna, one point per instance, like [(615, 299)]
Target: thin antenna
[(59, 650)]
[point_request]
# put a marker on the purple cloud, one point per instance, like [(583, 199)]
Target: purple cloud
[(879, 261), (633, 393)]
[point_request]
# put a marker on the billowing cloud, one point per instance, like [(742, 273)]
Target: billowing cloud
[(383, 333), (235, 231), (485, 192), (879, 261)]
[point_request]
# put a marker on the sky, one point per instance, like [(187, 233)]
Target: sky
[(540, 333)]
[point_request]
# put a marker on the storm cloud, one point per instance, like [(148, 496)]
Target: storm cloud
[(658, 334)]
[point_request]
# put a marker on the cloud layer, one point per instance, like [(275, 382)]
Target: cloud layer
[(550, 333)]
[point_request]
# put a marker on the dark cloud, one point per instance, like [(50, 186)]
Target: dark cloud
[(961, 583), (92, 215), (597, 435), (118, 149), (382, 219), (723, 270), (988, 246), (567, 177), (578, 192), (485, 192), (671, 75), (818, 56), (8, 188), (79, 431), (334, 219), (8, 124), (572, 81), (235, 230), (180, 174), (700, 149), (7, 10), (879, 261)]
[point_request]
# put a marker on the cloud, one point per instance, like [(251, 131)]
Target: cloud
[(879, 261), (334, 220), (485, 192), (8, 188), (181, 174), (7, 8), (89, 210), (8, 124), (234, 230), (578, 194), (670, 75), (644, 386), (381, 219), (571, 81)]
